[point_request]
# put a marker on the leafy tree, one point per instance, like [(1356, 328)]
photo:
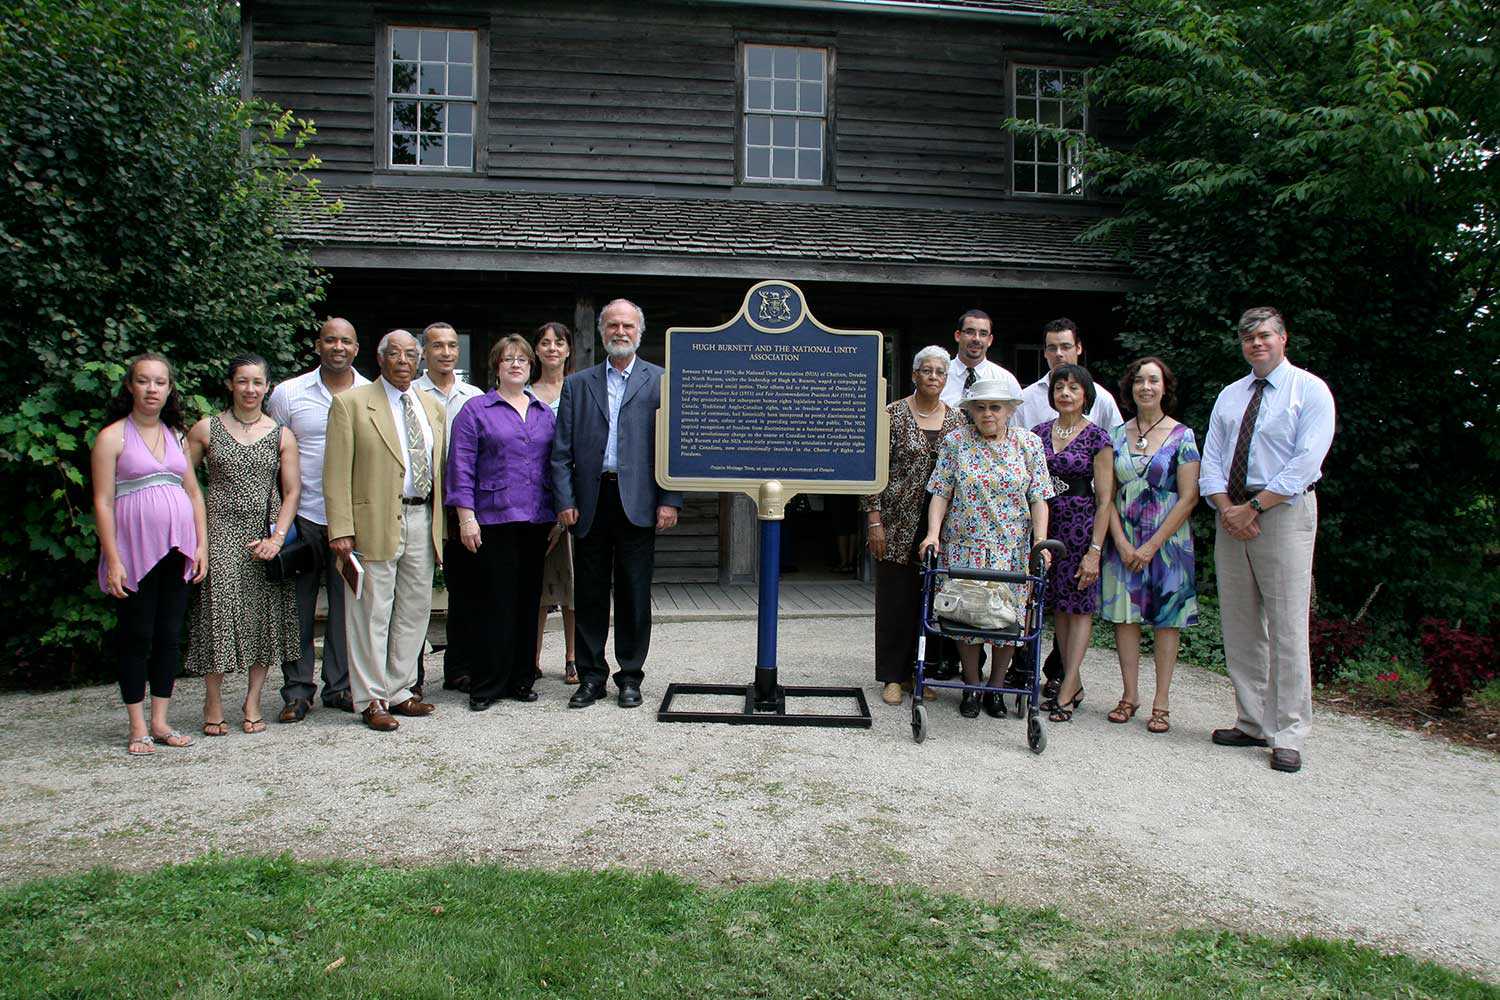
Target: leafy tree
[(141, 206), (1336, 159)]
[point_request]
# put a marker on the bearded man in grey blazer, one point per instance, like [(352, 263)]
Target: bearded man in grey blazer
[(604, 486)]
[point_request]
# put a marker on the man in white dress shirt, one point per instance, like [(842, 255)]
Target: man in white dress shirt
[(302, 404), (974, 336), (441, 382), (1062, 346), (1263, 456)]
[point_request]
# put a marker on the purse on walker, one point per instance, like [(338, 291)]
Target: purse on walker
[(986, 604)]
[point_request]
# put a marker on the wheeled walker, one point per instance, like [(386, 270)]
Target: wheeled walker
[(1028, 632)]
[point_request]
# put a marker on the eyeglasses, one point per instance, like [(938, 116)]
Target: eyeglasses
[(933, 372), (515, 361)]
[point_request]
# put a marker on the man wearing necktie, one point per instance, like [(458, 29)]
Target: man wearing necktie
[(382, 476), (1263, 456), (974, 337)]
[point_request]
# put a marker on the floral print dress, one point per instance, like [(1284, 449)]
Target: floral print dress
[(1163, 595)]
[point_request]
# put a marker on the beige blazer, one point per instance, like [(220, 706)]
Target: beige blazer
[(364, 466)]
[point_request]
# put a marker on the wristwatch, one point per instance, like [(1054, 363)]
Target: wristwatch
[(1255, 505)]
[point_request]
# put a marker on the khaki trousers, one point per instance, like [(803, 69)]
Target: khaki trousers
[(1265, 588), (388, 624)]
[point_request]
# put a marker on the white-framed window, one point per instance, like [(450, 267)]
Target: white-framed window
[(433, 102), (1050, 96), (786, 114)]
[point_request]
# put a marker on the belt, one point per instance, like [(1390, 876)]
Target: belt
[(609, 477), (1250, 491), (417, 501), (1073, 484)]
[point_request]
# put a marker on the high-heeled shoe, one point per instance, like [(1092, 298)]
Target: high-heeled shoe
[(1064, 712)]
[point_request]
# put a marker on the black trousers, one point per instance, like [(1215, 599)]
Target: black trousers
[(509, 574), (614, 552), (463, 575), (898, 608), (300, 676), (149, 632)]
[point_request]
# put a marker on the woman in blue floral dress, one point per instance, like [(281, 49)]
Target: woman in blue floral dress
[(989, 499), (1148, 572)]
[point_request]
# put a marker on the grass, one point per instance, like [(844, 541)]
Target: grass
[(275, 927)]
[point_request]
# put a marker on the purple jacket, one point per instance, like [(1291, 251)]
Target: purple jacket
[(498, 465)]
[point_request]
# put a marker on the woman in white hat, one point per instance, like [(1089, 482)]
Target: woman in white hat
[(989, 500)]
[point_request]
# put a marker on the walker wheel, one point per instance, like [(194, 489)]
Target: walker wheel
[(1036, 734), (919, 722)]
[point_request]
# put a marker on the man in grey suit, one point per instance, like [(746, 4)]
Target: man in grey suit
[(604, 485)]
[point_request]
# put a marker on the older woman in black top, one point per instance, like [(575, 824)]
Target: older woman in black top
[(896, 515)]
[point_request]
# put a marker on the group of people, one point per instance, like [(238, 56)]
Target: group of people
[(541, 493), (980, 469), (536, 494)]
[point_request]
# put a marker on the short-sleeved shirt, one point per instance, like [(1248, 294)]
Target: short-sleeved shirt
[(302, 404)]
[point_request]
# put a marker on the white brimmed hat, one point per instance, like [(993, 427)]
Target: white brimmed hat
[(1002, 388)]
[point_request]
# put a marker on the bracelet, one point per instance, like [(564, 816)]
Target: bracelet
[(1095, 548)]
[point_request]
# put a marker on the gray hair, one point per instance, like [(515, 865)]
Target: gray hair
[(640, 316), (385, 341), (930, 353), (1254, 317)]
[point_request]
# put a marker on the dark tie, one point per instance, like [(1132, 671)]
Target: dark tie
[(969, 379), (1239, 466)]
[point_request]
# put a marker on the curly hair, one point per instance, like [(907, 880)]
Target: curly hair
[(1168, 385), (1074, 373), (123, 402)]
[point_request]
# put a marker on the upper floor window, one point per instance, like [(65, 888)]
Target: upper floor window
[(786, 114), (1050, 96), (432, 98)]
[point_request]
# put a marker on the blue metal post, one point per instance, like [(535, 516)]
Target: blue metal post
[(770, 587)]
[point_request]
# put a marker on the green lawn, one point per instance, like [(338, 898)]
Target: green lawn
[(275, 928)]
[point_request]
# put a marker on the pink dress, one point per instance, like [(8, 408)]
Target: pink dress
[(153, 514)]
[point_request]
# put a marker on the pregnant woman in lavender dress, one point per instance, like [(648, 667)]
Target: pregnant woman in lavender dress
[(149, 514), (1081, 461)]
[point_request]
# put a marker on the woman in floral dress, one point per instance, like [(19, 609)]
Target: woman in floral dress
[(989, 500), (1148, 572)]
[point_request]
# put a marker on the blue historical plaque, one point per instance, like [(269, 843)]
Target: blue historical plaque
[(773, 395)]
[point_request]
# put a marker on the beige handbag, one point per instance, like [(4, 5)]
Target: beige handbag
[(985, 604)]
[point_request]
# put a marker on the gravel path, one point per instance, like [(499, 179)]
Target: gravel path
[(1384, 837)]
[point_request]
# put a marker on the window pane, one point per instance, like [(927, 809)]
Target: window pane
[(784, 164), (435, 45), (1051, 112), (461, 151), (403, 43), (758, 163), (1073, 116), (1046, 180), (758, 130), (1050, 82), (461, 80), (1025, 147), (810, 133), (784, 132), (460, 118), (1075, 180), (786, 95), (810, 64), (785, 63), (1073, 79), (431, 81), (1046, 151), (757, 60), (430, 116), (810, 165), (758, 95), (812, 97), (1025, 177), (1026, 109), (460, 46), (432, 151), (404, 78), (403, 149), (404, 115), (1025, 82)]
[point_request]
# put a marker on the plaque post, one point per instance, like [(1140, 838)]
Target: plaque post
[(771, 511)]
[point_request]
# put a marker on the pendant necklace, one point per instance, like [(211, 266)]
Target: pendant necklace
[(243, 425), (1140, 441), (1067, 432)]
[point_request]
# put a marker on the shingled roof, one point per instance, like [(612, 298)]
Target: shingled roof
[(532, 231)]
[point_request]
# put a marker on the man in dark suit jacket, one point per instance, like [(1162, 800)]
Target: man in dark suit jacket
[(604, 485)]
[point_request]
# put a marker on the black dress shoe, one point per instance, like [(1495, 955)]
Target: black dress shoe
[(968, 707), (1286, 759), (481, 704), (527, 695), (342, 700), (630, 696), (1236, 737), (994, 705), (588, 692), (457, 682)]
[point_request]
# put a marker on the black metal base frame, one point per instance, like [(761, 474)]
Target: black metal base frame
[(766, 713)]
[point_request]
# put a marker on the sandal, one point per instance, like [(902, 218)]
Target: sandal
[(1158, 723), (570, 673), (173, 739), (253, 726), (140, 746), (220, 728), (1123, 712)]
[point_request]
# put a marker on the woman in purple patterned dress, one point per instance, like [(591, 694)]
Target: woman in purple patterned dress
[(1081, 461)]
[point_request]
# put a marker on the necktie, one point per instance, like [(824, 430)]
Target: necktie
[(969, 378), (416, 449), (1239, 465)]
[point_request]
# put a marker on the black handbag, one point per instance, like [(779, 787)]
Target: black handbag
[(297, 554)]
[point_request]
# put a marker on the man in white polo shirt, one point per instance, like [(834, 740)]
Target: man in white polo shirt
[(974, 336), (302, 404), (1263, 456)]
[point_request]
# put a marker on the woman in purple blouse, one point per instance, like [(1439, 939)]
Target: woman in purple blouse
[(499, 487)]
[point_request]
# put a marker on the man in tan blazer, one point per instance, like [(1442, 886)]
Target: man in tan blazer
[(382, 479)]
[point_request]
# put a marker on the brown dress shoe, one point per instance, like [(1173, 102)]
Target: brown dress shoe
[(1286, 759), (413, 707), (380, 720)]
